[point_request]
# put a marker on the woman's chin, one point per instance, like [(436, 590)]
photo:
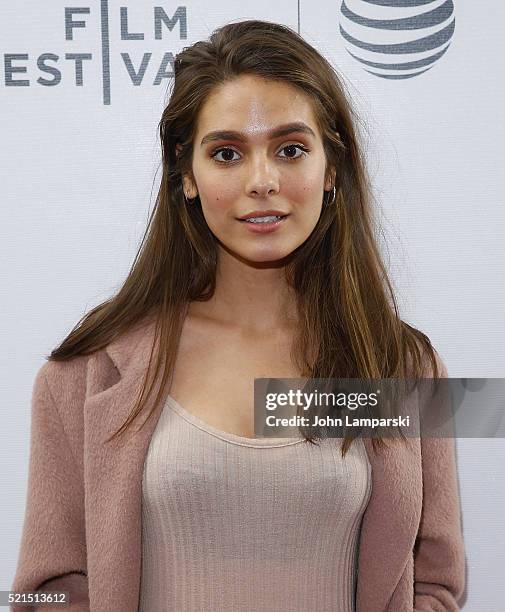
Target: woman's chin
[(272, 258), (259, 258)]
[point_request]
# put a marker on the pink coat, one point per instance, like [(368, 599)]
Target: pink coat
[(82, 527)]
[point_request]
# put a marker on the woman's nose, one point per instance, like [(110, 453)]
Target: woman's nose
[(263, 178)]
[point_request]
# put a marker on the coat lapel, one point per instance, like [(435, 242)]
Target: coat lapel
[(113, 478), (113, 488)]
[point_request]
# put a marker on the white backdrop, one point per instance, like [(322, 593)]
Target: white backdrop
[(80, 169)]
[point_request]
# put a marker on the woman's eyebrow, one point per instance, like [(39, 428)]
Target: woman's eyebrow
[(281, 130)]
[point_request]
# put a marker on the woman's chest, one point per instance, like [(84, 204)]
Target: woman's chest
[(214, 374)]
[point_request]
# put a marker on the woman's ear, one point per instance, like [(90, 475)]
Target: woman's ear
[(330, 181), (189, 188)]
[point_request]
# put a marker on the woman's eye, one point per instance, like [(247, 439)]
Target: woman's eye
[(292, 149), (228, 153)]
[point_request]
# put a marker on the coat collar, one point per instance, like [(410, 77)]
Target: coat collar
[(113, 486), (130, 351)]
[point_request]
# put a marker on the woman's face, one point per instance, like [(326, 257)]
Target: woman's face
[(241, 165)]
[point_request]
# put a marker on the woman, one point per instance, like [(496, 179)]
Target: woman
[(189, 511)]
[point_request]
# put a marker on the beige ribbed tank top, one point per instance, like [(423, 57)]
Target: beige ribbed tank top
[(231, 523)]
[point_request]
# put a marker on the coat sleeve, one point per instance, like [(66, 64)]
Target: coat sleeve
[(439, 554), (52, 555)]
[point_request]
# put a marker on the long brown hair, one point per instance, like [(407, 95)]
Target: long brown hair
[(349, 321)]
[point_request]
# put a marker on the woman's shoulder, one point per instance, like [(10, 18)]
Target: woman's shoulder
[(423, 360), (68, 382), (62, 376), (96, 370)]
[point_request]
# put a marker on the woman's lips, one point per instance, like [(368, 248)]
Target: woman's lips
[(263, 227)]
